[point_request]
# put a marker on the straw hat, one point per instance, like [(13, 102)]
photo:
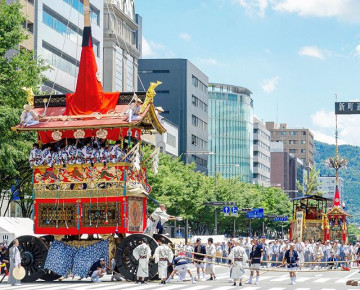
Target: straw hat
[(28, 107), (159, 109), (19, 273)]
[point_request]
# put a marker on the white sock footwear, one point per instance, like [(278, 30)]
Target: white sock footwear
[(250, 280)]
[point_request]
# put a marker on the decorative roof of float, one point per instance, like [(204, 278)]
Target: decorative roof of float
[(90, 108)]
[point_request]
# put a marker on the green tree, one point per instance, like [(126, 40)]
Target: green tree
[(18, 68), (311, 184)]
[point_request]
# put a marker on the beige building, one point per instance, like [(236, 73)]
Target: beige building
[(299, 142)]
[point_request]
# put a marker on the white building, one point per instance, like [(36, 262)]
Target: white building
[(327, 186), (261, 174), (168, 142), (58, 38), (122, 45)]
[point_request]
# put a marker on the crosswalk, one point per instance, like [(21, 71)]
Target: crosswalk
[(279, 283)]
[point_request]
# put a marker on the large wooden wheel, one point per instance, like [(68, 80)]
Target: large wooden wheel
[(126, 263), (33, 255)]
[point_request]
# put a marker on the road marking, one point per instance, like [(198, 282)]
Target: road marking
[(279, 279), (344, 279), (302, 279), (303, 289), (322, 280), (198, 287), (276, 288)]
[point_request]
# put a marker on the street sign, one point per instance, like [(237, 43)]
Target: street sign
[(255, 213), (280, 219), (347, 108), (234, 211), (219, 203), (226, 210)]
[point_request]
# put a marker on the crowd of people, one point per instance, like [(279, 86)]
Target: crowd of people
[(80, 151)]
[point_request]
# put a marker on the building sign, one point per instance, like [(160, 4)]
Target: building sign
[(347, 108)]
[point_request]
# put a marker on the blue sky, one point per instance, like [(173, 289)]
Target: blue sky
[(297, 53)]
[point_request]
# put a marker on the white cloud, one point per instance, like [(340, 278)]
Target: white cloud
[(151, 49), (210, 61), (253, 6), (346, 10), (324, 127), (357, 51), (269, 85), (185, 36), (312, 51)]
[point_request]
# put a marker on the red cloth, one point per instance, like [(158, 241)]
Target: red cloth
[(337, 197), (89, 96)]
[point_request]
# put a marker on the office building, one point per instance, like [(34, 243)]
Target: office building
[(168, 142), (122, 45), (327, 186), (183, 95), (262, 142), (299, 142), (230, 131), (58, 38), (283, 172)]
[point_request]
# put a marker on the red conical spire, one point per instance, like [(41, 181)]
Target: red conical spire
[(337, 196), (89, 96)]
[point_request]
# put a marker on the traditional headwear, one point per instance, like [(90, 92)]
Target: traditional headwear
[(28, 107)]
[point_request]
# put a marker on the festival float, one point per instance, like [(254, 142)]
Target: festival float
[(311, 220), (89, 210)]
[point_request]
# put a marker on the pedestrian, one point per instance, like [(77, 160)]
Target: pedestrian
[(189, 249), (210, 258), (163, 255), (97, 270), (300, 249), (218, 253), (199, 259), (255, 260), (332, 261), (142, 253), (274, 250), (318, 254), (181, 267), (238, 258), (291, 258), (15, 261)]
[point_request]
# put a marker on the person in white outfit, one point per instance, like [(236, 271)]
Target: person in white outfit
[(163, 255), (142, 253), (159, 215), (238, 258), (210, 258), (15, 261), (28, 117)]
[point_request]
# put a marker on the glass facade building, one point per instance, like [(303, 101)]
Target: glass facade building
[(230, 131)]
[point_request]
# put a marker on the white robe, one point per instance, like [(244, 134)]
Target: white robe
[(157, 215), (142, 253), (238, 270), (210, 250), (15, 260), (163, 252)]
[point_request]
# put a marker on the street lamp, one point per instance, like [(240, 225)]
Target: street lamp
[(216, 166)]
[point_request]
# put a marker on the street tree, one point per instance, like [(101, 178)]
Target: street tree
[(18, 68)]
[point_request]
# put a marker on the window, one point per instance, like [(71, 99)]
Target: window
[(195, 81), (303, 132), (194, 100), (199, 103), (303, 142), (161, 71), (198, 122), (79, 6), (196, 141), (65, 28), (292, 141), (303, 150), (283, 133), (292, 151), (293, 133), (194, 120), (171, 140)]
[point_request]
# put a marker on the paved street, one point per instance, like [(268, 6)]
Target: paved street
[(329, 280)]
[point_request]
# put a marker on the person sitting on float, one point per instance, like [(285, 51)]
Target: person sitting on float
[(28, 117)]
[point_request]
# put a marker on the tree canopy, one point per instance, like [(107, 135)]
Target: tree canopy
[(18, 68)]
